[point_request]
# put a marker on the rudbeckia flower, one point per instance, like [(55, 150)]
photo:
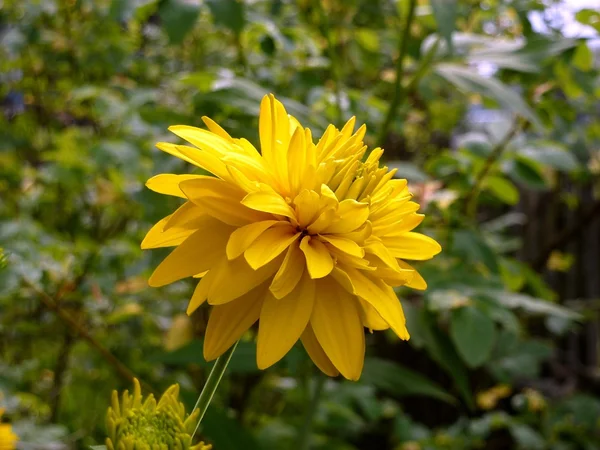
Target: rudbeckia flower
[(8, 439), (307, 239)]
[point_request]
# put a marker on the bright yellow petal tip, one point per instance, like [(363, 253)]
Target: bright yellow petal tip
[(307, 238)]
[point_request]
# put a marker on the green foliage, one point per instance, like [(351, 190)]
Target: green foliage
[(88, 87)]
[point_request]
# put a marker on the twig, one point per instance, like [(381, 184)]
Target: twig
[(123, 371), (398, 90), (306, 430), (470, 201), (566, 235), (60, 369)]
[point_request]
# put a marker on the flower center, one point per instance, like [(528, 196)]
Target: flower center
[(158, 427)]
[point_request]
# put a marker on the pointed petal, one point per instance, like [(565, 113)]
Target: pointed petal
[(382, 297), (221, 200), (417, 281), (199, 252), (216, 128), (289, 273), (232, 279), (168, 184), (269, 245), (318, 259), (227, 323), (199, 296), (269, 201), (337, 325), (282, 321), (351, 216), (196, 157), (307, 207), (370, 317), (157, 237), (186, 216), (316, 352), (412, 245), (243, 237), (344, 244)]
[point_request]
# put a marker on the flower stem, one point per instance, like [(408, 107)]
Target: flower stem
[(398, 90), (210, 387), (305, 431)]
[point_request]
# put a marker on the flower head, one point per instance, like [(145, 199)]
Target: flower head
[(8, 439), (136, 423), (308, 239)]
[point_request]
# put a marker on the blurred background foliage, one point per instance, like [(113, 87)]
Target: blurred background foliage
[(490, 109)]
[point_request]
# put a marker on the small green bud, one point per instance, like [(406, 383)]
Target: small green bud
[(137, 424)]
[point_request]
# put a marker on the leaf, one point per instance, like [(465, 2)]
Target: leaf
[(583, 58), (472, 248), (551, 154), (589, 17), (178, 17), (525, 171), (531, 304), (229, 13), (399, 381), (473, 334), (503, 189), (527, 437), (409, 171), (469, 80), (445, 16), (226, 433), (441, 351)]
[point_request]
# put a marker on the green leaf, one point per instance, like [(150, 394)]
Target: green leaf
[(531, 305), (178, 18), (527, 437), (409, 171), (583, 58), (589, 17), (468, 80), (525, 171), (226, 433), (441, 351), (229, 13), (399, 381), (445, 16), (472, 248), (551, 154), (473, 334), (503, 189)]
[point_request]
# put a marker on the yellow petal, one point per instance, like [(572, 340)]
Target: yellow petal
[(243, 237), (269, 245), (199, 296), (231, 279), (221, 200), (168, 184), (307, 207), (412, 245), (199, 252), (268, 201), (375, 247), (417, 281), (318, 259), (323, 221), (227, 323), (196, 157), (351, 216), (157, 237), (296, 160), (274, 130), (370, 317), (382, 297), (203, 139), (186, 216), (344, 244), (289, 273), (216, 128), (338, 328), (282, 321), (316, 352)]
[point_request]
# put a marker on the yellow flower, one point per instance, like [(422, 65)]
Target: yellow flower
[(8, 439), (135, 423), (308, 239)]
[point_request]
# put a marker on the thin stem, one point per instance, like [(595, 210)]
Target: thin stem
[(305, 431), (210, 387), (470, 202), (398, 91), (333, 60)]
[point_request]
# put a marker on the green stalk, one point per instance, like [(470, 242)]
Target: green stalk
[(398, 91), (306, 430), (210, 387)]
